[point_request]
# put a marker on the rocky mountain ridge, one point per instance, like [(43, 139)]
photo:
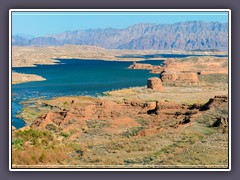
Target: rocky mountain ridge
[(188, 35)]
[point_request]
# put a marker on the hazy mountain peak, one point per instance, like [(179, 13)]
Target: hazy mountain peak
[(187, 35)]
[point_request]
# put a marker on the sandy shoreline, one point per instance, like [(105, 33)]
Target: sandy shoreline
[(30, 55), (21, 78)]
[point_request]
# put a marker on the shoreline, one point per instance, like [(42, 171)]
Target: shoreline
[(18, 78), (31, 55)]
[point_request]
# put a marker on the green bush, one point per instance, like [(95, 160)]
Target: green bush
[(35, 137), (17, 143), (66, 134)]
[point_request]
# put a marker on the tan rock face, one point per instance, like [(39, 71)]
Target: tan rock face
[(157, 69), (188, 70), (155, 84), (140, 66), (154, 69), (214, 103), (179, 77)]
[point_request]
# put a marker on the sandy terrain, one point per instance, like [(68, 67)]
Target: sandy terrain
[(28, 56)]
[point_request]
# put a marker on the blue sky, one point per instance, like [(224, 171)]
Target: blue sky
[(42, 23)]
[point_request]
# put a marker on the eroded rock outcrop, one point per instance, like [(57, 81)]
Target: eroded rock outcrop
[(155, 83), (154, 69), (214, 102), (140, 66), (189, 70), (118, 117), (179, 77)]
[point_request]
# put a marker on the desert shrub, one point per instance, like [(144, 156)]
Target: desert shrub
[(17, 143), (34, 147), (36, 155), (30, 134), (51, 127), (79, 149), (34, 137), (65, 134), (96, 124), (132, 132), (142, 121)]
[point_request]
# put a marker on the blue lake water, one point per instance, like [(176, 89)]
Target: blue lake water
[(76, 77)]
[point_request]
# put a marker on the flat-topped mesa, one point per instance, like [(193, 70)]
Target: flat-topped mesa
[(181, 76), (154, 69), (155, 83)]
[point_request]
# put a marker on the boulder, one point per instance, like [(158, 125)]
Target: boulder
[(155, 84)]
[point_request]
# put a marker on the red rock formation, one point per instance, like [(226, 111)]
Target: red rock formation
[(140, 66), (120, 117), (214, 102), (182, 76), (155, 84), (154, 69)]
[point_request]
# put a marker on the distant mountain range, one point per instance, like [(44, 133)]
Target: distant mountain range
[(188, 35)]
